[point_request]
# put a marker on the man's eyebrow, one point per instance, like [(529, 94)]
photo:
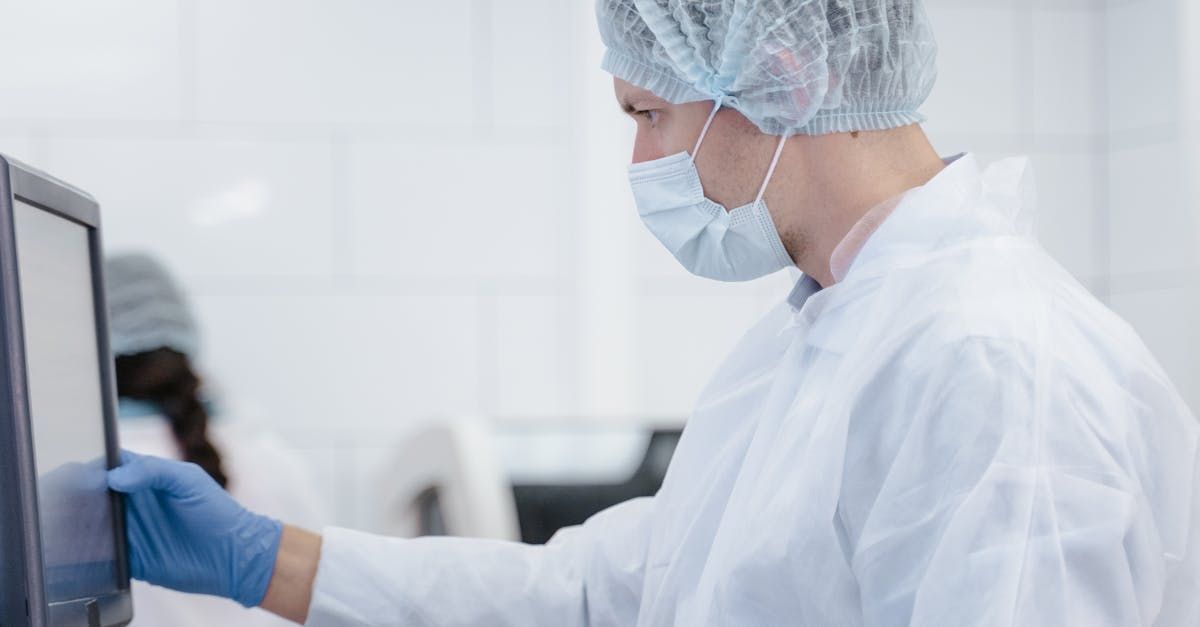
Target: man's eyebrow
[(626, 105)]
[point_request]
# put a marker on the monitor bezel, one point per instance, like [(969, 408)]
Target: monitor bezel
[(24, 574)]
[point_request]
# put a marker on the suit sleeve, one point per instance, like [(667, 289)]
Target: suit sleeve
[(590, 575)]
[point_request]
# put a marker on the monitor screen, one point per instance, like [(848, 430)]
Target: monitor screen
[(65, 404)]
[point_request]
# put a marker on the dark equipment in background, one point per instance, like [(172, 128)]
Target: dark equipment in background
[(546, 508)]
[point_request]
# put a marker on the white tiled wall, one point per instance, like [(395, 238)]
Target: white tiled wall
[(1062, 78), (1144, 64), (214, 207), (76, 60), (1027, 78), (1154, 165), (393, 211), (982, 75), (1153, 226), (21, 148), (310, 61), (435, 211)]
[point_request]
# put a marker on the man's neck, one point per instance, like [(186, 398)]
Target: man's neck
[(834, 180)]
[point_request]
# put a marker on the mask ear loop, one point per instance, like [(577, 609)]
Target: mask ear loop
[(711, 116), (771, 170)]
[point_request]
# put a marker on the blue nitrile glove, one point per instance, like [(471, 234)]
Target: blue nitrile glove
[(187, 534)]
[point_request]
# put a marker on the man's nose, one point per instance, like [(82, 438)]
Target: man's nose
[(645, 149)]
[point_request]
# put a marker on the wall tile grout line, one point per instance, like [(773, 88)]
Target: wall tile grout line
[(1102, 162), (1140, 282), (1026, 100), (482, 70), (488, 366), (342, 211), (272, 131), (188, 50)]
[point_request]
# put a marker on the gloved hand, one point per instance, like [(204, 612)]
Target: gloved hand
[(188, 534)]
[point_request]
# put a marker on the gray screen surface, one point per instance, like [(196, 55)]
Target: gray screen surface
[(65, 404)]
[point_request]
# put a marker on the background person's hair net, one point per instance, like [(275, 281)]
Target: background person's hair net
[(807, 67), (147, 310)]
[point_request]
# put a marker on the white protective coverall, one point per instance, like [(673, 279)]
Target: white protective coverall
[(956, 434)]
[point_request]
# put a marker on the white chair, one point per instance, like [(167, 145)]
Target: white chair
[(447, 480)]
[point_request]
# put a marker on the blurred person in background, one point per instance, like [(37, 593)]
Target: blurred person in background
[(939, 426), (164, 411)]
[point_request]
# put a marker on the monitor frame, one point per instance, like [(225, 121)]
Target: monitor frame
[(22, 580)]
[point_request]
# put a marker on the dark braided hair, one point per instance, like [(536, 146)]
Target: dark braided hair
[(165, 378)]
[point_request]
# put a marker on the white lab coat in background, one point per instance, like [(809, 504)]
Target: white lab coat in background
[(264, 477), (956, 434)]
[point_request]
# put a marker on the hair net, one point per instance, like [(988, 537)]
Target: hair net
[(807, 67), (147, 311)]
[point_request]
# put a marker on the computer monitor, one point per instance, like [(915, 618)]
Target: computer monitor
[(61, 533)]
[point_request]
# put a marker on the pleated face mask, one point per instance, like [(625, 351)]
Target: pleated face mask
[(706, 238)]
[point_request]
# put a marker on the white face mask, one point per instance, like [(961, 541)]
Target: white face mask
[(708, 239)]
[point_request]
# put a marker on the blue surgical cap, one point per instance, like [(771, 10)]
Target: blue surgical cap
[(807, 67), (147, 310)]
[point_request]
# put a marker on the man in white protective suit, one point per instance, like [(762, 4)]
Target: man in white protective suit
[(938, 426)]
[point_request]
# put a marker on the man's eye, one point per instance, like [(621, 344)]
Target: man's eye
[(651, 116)]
